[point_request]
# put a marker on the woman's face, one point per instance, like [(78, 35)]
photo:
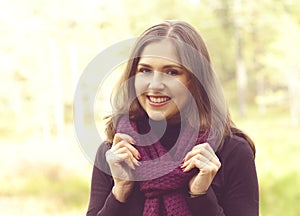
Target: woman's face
[(161, 83)]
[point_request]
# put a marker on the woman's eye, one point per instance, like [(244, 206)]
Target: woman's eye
[(144, 70), (172, 72)]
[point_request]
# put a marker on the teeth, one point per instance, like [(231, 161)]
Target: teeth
[(158, 99)]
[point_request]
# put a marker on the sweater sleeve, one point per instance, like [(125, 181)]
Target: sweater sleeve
[(206, 204), (240, 189), (102, 201)]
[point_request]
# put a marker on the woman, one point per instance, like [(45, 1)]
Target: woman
[(172, 148)]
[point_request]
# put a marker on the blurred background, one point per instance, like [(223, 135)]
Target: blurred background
[(46, 45)]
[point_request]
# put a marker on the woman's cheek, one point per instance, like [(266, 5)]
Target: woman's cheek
[(139, 85)]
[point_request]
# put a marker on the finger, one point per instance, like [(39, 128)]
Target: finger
[(195, 162), (206, 146), (120, 156), (200, 154), (216, 162), (120, 136), (190, 164), (127, 157), (207, 167), (129, 162), (131, 148), (115, 156), (209, 148), (203, 164), (210, 155), (204, 159), (199, 150)]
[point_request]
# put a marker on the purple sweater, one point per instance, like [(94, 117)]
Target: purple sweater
[(233, 192)]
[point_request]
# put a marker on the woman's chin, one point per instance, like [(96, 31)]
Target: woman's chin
[(157, 116)]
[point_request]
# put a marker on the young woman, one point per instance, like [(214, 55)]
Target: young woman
[(172, 148)]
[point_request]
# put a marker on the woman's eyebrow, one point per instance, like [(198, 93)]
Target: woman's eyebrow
[(172, 66), (143, 64), (164, 67)]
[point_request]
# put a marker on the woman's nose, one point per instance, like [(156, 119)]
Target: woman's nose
[(156, 81)]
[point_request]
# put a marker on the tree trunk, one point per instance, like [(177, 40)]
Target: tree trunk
[(241, 76)]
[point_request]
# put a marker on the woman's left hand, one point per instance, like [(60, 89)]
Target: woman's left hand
[(203, 157)]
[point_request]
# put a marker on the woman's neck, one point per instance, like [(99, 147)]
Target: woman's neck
[(166, 131)]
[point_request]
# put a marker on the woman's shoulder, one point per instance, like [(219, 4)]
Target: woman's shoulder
[(100, 160), (236, 147), (237, 159), (103, 147)]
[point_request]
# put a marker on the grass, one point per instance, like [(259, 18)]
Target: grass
[(61, 190), (277, 159), (280, 195)]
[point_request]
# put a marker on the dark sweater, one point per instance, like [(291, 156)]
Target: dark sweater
[(233, 192)]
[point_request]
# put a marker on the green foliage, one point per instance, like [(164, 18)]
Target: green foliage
[(276, 159), (280, 195), (48, 182)]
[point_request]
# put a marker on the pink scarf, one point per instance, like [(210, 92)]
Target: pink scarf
[(160, 178)]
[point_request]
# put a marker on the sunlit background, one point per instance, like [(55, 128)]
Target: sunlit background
[(46, 45)]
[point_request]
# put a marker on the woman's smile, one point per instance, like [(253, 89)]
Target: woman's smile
[(158, 100)]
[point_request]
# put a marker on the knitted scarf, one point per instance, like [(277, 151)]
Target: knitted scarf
[(160, 178)]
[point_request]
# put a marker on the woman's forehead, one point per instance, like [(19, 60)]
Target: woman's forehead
[(164, 49)]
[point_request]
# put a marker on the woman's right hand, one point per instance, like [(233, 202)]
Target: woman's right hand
[(122, 157)]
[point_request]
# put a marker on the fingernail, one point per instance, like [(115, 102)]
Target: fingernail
[(133, 141), (139, 157)]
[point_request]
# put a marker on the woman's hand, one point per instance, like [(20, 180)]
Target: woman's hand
[(204, 158), (122, 157)]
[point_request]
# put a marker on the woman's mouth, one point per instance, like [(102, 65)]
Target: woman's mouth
[(158, 100)]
